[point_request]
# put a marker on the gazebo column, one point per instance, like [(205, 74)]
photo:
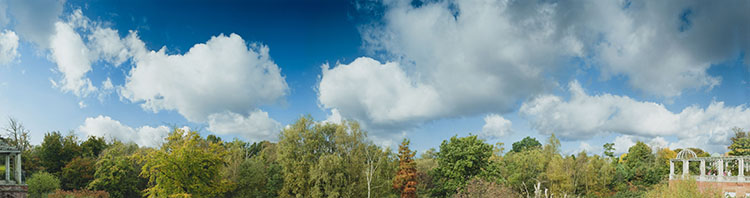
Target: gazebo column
[(721, 170), (7, 167), (685, 168), (671, 169), (703, 169), (18, 168)]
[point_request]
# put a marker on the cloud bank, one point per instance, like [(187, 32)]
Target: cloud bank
[(446, 59), (583, 116)]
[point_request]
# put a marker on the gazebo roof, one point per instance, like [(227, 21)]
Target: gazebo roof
[(686, 154)]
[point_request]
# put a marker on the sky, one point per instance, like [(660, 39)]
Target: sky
[(672, 74)]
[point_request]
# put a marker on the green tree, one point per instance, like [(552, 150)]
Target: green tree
[(93, 146), (117, 171), (597, 177), (522, 170), (459, 160), (299, 148), (41, 184), (51, 153), (740, 143), (260, 174), (641, 166), (186, 165), (526, 143), (78, 173), (560, 175), (307, 152), (31, 160), (425, 163), (406, 177), (259, 178), (609, 150)]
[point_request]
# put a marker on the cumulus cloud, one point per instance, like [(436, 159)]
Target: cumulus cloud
[(224, 74), (8, 47), (104, 126), (255, 127), (35, 20), (73, 60), (380, 94), (584, 116), (495, 126)]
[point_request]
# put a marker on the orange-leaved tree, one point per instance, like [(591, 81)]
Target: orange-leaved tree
[(406, 177)]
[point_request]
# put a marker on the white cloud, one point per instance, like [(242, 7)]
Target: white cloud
[(584, 116), (107, 84), (35, 20), (624, 142), (380, 94), (334, 118), (495, 126), (8, 47), (73, 60), (586, 147), (104, 126), (106, 44), (219, 76), (255, 127)]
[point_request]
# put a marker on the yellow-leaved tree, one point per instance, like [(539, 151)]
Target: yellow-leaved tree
[(185, 166)]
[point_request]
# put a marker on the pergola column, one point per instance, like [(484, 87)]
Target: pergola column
[(703, 169), (18, 168), (741, 171), (721, 170), (685, 168), (7, 167), (671, 169)]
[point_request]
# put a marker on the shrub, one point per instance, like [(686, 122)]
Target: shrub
[(41, 184), (79, 194)]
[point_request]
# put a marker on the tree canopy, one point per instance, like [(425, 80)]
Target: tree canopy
[(526, 143)]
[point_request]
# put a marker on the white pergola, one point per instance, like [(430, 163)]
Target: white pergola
[(720, 163), (13, 153)]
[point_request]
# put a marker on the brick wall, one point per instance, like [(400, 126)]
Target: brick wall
[(13, 191)]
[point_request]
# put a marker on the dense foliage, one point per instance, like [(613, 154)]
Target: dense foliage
[(186, 165), (318, 159), (41, 184)]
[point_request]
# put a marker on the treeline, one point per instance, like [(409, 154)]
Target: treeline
[(313, 159)]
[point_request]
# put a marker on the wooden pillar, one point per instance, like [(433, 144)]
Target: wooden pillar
[(685, 168), (671, 169), (18, 168), (7, 167)]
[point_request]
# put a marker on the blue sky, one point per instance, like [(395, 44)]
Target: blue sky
[(671, 74)]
